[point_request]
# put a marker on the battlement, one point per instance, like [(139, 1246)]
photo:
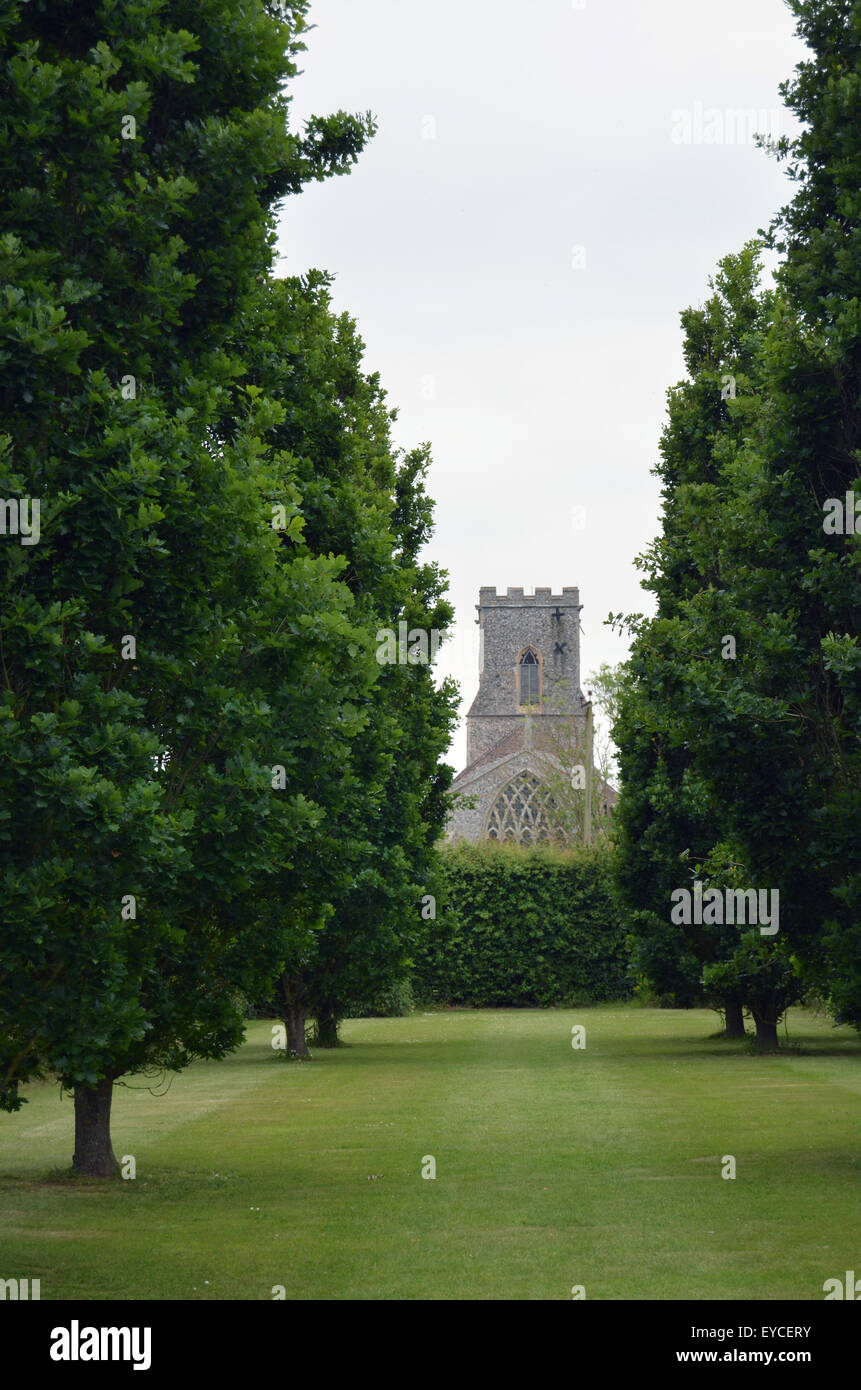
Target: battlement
[(513, 598)]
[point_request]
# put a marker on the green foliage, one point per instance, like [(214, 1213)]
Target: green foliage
[(363, 500), (149, 776), (518, 926), (678, 692), (770, 739), (567, 762), (759, 972), (395, 1000)]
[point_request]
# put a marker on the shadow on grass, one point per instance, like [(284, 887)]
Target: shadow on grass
[(508, 1051), (65, 1179), (159, 1178), (708, 1045)]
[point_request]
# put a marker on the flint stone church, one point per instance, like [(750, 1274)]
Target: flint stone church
[(529, 680)]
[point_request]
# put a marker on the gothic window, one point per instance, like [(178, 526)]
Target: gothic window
[(530, 679), (518, 813)]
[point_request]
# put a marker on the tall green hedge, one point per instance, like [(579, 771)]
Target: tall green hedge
[(522, 927)]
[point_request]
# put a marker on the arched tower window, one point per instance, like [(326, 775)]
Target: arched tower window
[(518, 813), (529, 678)]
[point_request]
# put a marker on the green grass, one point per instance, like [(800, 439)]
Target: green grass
[(555, 1167)]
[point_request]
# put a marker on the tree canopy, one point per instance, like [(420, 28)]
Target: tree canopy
[(740, 729), (186, 650)]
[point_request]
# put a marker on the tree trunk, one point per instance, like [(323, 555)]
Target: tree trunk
[(295, 1015), (734, 1018), (294, 1011), (766, 1034), (94, 1157), (327, 1027)]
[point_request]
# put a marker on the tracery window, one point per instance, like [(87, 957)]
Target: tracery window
[(518, 813), (530, 679)]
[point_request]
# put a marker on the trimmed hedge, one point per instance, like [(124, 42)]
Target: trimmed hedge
[(522, 927), (395, 1001)]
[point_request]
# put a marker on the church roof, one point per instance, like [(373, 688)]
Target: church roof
[(512, 743)]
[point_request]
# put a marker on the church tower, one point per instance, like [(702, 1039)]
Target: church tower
[(530, 646), (529, 680)]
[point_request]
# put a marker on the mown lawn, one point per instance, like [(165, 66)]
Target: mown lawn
[(555, 1167)]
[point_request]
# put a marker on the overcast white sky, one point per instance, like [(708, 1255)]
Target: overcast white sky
[(510, 134)]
